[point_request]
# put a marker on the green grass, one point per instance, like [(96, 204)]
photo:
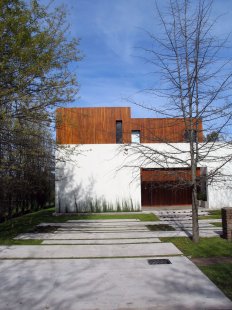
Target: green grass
[(207, 247), (162, 227), (221, 275), (217, 224), (102, 216), (20, 242), (214, 214), (27, 223)]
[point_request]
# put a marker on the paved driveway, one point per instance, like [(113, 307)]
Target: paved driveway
[(103, 276)]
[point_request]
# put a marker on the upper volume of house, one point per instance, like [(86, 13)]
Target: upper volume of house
[(110, 125)]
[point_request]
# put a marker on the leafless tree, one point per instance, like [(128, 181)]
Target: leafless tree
[(196, 77)]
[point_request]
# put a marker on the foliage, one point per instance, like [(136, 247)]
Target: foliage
[(35, 58), (212, 136), (98, 206)]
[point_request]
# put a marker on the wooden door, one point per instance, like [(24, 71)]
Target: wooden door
[(165, 194), (166, 187)]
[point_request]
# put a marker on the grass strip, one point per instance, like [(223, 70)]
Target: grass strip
[(20, 242), (218, 224), (221, 275), (213, 214), (207, 247)]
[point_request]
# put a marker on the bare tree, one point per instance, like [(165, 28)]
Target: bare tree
[(196, 82)]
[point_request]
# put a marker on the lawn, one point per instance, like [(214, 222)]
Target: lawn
[(207, 247), (217, 224), (221, 275), (213, 214), (27, 223)]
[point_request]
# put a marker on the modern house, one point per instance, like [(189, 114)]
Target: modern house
[(107, 160)]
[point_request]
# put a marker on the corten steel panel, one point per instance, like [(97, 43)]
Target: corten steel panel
[(98, 126), (166, 187), (91, 125)]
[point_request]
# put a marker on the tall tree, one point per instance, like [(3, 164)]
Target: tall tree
[(196, 83), (36, 57)]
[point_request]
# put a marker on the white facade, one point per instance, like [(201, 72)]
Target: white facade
[(105, 177)]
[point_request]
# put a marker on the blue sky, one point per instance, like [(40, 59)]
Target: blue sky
[(111, 32)]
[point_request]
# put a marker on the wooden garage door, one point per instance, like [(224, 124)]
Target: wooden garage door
[(166, 187)]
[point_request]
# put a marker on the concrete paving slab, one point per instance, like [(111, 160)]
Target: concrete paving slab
[(206, 234), (107, 233), (175, 218), (102, 241), (102, 236), (179, 212), (204, 227), (107, 284), (87, 235), (123, 225), (179, 223), (103, 221), (103, 229), (210, 221), (78, 251), (93, 224), (131, 233), (99, 225)]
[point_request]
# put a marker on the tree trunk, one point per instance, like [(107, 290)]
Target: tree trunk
[(195, 224)]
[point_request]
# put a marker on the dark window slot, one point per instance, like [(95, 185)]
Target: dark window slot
[(118, 132)]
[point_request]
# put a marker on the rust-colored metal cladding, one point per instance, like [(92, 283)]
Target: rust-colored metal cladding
[(98, 126)]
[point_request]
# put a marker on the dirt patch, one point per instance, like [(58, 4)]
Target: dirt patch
[(160, 227), (43, 229), (205, 261)]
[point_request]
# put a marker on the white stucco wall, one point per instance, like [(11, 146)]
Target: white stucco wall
[(95, 176), (105, 176)]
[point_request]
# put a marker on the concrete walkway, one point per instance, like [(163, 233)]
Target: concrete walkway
[(106, 268), (182, 221), (101, 235), (88, 251), (106, 284), (103, 241), (122, 229)]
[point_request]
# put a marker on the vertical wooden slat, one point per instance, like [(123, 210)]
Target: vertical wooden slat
[(98, 125), (162, 187)]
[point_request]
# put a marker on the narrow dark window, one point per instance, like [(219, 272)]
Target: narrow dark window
[(118, 132)]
